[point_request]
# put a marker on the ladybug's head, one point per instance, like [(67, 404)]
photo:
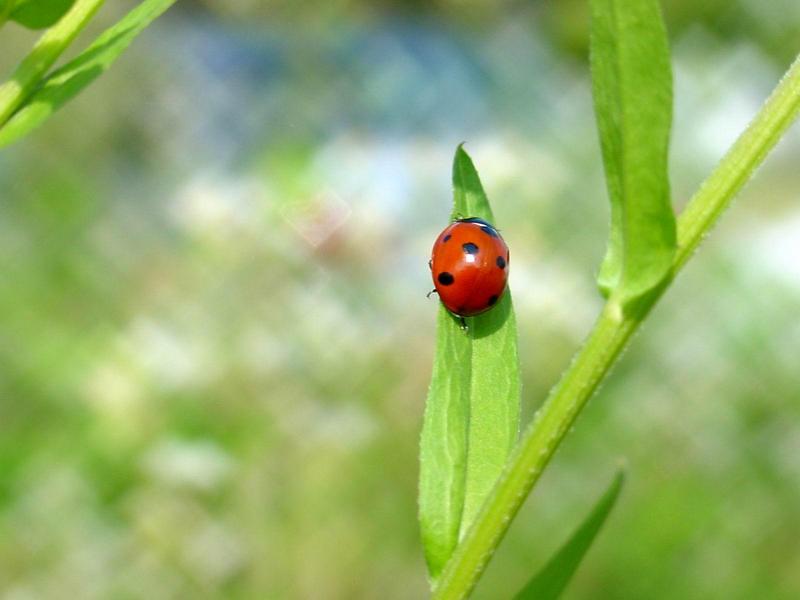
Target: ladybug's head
[(485, 225)]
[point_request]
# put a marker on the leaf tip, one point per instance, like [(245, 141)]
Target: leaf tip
[(461, 156)]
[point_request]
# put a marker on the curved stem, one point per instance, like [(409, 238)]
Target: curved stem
[(605, 343), (35, 66)]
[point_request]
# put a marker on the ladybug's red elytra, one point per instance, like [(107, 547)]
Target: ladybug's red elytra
[(469, 265)]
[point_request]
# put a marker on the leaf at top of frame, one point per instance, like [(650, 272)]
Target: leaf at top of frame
[(632, 88), (66, 82), (38, 14)]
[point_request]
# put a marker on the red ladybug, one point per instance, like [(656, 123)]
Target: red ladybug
[(469, 264)]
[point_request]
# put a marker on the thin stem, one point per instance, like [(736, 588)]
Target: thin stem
[(35, 66), (605, 343)]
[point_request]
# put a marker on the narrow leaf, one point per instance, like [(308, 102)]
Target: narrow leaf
[(32, 69), (632, 88), (38, 14), (73, 77), (443, 447), (495, 382), (472, 411), (550, 582)]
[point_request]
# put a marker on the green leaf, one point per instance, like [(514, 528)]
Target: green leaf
[(495, 381), (550, 582), (443, 446), (31, 71), (472, 411), (73, 77), (632, 87), (6, 6), (38, 14)]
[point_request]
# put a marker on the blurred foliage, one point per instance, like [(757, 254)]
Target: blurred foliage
[(774, 26), (37, 14), (215, 341)]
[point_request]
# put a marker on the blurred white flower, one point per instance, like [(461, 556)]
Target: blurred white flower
[(169, 356), (555, 291), (214, 553), (201, 465), (347, 426), (218, 206), (776, 250)]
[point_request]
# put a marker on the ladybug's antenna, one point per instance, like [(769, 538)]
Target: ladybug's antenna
[(433, 291)]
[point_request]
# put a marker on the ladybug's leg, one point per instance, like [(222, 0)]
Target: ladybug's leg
[(463, 324), (433, 291)]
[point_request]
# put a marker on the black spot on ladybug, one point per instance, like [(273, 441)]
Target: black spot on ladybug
[(501, 262), (470, 248), (492, 300), (445, 278), (447, 238)]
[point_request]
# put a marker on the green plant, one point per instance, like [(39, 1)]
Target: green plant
[(34, 91), (647, 247)]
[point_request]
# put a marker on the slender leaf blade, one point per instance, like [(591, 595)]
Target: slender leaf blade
[(495, 381), (443, 446), (551, 581), (34, 67), (38, 14), (469, 198), (73, 77), (472, 411), (632, 89)]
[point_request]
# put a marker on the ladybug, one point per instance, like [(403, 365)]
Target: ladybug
[(469, 265)]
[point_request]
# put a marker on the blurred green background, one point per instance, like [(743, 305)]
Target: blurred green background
[(214, 338)]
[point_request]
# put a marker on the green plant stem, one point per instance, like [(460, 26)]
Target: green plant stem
[(605, 343), (35, 66)]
